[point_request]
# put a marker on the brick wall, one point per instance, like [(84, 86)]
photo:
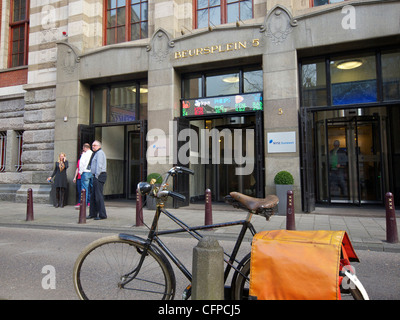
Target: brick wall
[(14, 77)]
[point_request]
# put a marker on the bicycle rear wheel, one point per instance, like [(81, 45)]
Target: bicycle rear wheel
[(106, 263), (353, 288)]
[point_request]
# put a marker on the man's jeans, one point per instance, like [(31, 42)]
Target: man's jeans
[(87, 184)]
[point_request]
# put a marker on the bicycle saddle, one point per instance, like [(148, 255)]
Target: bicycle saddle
[(260, 206)]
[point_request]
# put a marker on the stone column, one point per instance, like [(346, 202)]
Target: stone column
[(281, 95), (164, 94)]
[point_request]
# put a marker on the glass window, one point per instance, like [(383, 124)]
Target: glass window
[(122, 104), (239, 10), (317, 3), (253, 81), (216, 12), (139, 20), (119, 103), (192, 86), (222, 84), (313, 84), (143, 101), (243, 80), (99, 105), (19, 25), (19, 136), (353, 79), (391, 75), (3, 140), (126, 20)]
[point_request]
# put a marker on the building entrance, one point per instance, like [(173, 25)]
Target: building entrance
[(349, 156), (125, 149), (226, 155)]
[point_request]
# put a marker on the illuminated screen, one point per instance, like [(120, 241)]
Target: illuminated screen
[(225, 104)]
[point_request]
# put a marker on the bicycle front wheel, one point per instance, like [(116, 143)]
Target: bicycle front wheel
[(104, 268)]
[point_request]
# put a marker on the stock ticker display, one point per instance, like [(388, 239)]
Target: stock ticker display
[(225, 104)]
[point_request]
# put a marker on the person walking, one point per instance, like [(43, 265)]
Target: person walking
[(86, 175), (60, 179), (98, 167)]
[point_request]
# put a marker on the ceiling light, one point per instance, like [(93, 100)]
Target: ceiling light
[(349, 64), (232, 79), (142, 90)]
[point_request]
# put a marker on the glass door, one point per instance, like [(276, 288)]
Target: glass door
[(226, 154), (369, 161), (349, 160), (133, 162), (136, 156), (342, 176), (223, 177)]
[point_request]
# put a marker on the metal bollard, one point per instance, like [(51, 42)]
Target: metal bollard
[(29, 206), (208, 270), (139, 209), (290, 219), (82, 208), (391, 224), (208, 220)]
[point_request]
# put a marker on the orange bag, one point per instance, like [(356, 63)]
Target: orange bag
[(297, 265)]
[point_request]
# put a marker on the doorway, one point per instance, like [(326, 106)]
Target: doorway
[(125, 148), (223, 177), (233, 159), (349, 160)]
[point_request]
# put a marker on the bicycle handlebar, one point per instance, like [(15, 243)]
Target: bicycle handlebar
[(172, 194), (185, 170), (146, 188)]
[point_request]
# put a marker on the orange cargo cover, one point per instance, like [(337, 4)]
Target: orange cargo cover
[(297, 265)]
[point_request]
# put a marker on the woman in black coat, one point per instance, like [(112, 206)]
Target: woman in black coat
[(60, 179)]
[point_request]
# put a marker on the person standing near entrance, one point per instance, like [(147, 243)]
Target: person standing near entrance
[(338, 164), (98, 168), (60, 179), (86, 175)]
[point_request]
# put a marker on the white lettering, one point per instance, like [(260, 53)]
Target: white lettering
[(349, 20)]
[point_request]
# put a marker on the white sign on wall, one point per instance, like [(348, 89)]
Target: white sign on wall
[(281, 142)]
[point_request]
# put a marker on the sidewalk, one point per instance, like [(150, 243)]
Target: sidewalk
[(367, 231)]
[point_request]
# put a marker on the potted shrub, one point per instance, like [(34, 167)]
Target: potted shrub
[(283, 182), (156, 179)]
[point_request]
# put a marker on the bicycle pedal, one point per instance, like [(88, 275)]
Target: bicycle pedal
[(187, 292)]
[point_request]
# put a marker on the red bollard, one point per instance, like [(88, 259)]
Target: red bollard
[(29, 206), (82, 207), (290, 219), (208, 208), (139, 209), (391, 224)]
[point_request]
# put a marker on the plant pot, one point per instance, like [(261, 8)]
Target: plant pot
[(281, 192)]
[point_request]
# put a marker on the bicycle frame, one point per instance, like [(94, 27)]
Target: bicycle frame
[(154, 236)]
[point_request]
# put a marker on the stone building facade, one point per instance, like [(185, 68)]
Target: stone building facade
[(77, 87)]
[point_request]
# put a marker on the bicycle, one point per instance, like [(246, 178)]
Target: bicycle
[(130, 267)]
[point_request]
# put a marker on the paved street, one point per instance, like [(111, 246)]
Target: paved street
[(366, 230), (29, 256)]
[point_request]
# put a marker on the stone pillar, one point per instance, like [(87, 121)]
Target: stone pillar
[(208, 270), (164, 95), (281, 102)]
